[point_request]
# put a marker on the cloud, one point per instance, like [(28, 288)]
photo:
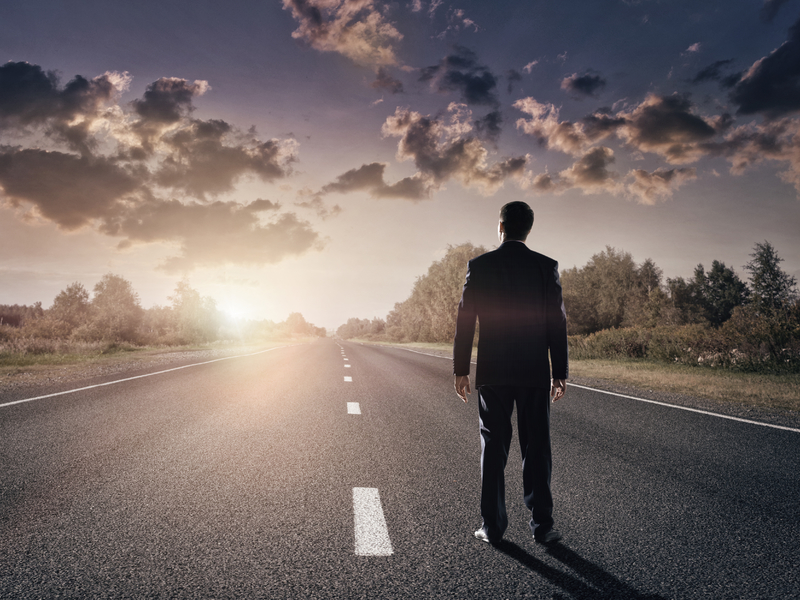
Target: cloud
[(648, 187), (168, 99), (751, 144), (529, 67), (582, 86), (67, 189), (543, 124), (318, 206), (29, 96), (212, 234), (694, 48), (442, 151), (665, 125), (456, 21), (512, 75), (589, 174), (712, 72), (204, 157), (121, 160), (384, 81), (668, 125), (353, 28), (461, 72), (370, 178), (770, 9), (771, 86), (489, 127)]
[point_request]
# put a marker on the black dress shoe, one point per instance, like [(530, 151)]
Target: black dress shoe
[(551, 536), (484, 536)]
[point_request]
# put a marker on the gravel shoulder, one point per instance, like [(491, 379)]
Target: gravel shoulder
[(43, 379)]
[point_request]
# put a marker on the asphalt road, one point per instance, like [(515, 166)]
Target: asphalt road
[(236, 479)]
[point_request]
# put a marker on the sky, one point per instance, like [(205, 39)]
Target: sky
[(316, 156)]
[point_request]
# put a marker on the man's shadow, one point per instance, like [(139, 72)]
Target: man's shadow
[(602, 584)]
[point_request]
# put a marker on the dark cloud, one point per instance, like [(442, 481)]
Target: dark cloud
[(363, 178), (591, 170), (600, 125), (489, 126), (512, 75), (581, 86), (168, 100), (370, 178), (206, 158), (384, 81), (30, 95), (212, 234), (69, 190), (355, 29), (712, 72), (770, 9), (668, 126), (442, 151), (461, 72), (771, 86)]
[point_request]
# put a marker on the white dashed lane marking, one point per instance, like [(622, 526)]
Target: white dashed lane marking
[(347, 366), (372, 535), (346, 378), (353, 408)]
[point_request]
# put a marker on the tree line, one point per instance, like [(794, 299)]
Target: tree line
[(618, 308), (112, 313)]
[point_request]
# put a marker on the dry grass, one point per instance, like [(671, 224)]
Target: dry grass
[(751, 389)]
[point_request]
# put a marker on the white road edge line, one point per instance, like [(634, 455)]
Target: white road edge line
[(353, 408), (372, 535), (89, 387), (585, 387)]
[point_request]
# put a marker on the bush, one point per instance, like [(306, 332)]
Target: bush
[(748, 342)]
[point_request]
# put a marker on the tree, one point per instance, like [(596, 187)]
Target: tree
[(772, 288), (718, 292), (197, 316), (429, 313), (72, 305), (116, 309)]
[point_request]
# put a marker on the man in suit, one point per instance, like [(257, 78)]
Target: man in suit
[(515, 294)]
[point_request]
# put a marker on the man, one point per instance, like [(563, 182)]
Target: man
[(515, 294)]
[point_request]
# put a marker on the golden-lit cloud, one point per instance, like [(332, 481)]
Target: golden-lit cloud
[(353, 28), (650, 187)]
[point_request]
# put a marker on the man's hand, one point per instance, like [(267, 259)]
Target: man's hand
[(559, 389), (461, 384)]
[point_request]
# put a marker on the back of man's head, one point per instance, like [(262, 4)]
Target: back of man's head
[(517, 220)]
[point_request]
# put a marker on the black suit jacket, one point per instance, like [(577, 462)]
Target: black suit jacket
[(515, 294)]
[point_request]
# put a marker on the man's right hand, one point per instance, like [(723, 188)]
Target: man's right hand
[(559, 389)]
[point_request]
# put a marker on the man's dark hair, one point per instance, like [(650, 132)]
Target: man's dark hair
[(517, 220)]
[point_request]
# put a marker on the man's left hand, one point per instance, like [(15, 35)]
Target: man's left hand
[(461, 384)]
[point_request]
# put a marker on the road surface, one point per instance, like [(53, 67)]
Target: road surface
[(340, 470)]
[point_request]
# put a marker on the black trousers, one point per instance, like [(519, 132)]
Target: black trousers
[(533, 430)]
